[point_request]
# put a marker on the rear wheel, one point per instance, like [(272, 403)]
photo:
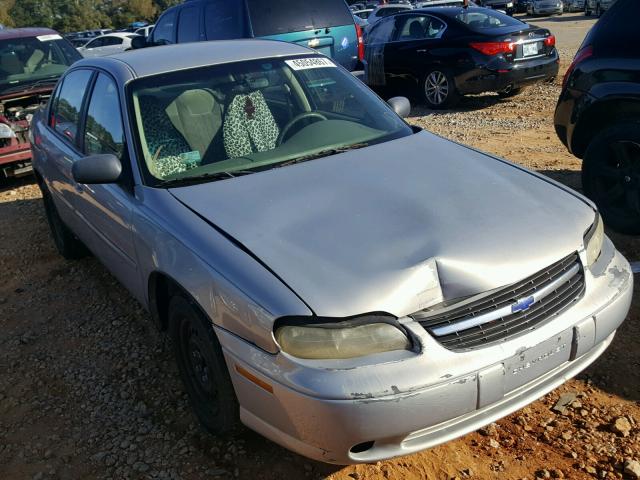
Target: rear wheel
[(67, 244), (202, 368), (611, 176), (438, 89)]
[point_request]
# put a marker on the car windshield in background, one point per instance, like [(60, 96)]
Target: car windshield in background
[(223, 121), (271, 17), (479, 19), (34, 59)]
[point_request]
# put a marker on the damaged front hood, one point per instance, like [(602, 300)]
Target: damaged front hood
[(367, 230)]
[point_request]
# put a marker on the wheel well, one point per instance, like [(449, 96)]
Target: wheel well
[(161, 288), (599, 117)]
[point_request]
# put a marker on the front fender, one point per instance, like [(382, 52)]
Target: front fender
[(235, 291)]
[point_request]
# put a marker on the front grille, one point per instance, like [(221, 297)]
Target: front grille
[(509, 311)]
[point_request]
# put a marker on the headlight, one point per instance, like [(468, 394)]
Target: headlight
[(593, 240), (341, 340), (510, 4)]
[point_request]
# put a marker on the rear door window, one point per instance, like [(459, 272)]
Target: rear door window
[(163, 31), (273, 17), (420, 27), (65, 115), (224, 20), (485, 19), (189, 25)]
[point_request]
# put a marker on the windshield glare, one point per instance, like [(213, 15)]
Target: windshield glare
[(25, 60), (253, 116)]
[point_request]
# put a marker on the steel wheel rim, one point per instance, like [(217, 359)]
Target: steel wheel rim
[(436, 87), (617, 179), (195, 361)]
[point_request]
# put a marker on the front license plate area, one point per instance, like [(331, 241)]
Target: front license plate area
[(530, 49), (536, 361)]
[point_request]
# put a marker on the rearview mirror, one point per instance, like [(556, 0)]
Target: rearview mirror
[(96, 169), (400, 105), (138, 42)]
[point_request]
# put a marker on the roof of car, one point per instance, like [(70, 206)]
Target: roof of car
[(9, 33), (155, 60)]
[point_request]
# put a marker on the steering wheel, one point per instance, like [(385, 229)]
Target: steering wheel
[(295, 120)]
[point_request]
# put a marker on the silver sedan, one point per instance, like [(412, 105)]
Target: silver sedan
[(350, 286)]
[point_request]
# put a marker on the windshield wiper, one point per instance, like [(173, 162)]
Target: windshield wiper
[(322, 153), (205, 177), (30, 86)]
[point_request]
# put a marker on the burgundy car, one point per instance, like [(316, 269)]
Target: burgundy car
[(31, 62)]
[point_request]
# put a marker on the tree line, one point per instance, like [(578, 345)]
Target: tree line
[(75, 15)]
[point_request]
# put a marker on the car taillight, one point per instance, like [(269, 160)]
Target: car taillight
[(493, 48), (580, 56), (360, 34), (550, 41)]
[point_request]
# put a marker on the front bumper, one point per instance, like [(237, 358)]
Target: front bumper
[(15, 160), (407, 402), (496, 77)]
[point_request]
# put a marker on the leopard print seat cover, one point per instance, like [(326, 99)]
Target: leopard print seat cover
[(165, 143), (249, 126)]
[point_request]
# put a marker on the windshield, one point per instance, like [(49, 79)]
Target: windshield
[(34, 59), (240, 118), (269, 17)]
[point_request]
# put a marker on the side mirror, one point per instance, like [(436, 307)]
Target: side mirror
[(138, 42), (400, 105), (96, 169)]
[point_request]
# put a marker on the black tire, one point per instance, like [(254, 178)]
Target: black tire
[(67, 244), (438, 89), (611, 176), (203, 369), (510, 92)]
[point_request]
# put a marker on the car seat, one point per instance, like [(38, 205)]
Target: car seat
[(415, 29), (11, 64), (249, 125), (165, 144), (34, 61), (197, 115)]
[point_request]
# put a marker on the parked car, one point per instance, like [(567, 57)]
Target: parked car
[(574, 5), (325, 25), (108, 44), (506, 6), (144, 31), (521, 6), (385, 11), (363, 14), (597, 6), (78, 41), (322, 267), (545, 7), (31, 61), (598, 116), (444, 52)]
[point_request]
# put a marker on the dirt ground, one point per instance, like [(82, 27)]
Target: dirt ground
[(88, 388)]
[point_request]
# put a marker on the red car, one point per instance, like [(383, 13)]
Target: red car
[(31, 62)]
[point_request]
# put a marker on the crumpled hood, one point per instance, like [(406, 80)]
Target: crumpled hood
[(365, 231)]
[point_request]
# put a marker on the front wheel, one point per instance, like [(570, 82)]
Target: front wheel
[(611, 176), (202, 368), (438, 89)]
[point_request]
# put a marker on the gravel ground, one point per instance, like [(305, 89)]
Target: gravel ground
[(88, 388)]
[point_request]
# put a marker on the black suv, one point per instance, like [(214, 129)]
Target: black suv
[(598, 115)]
